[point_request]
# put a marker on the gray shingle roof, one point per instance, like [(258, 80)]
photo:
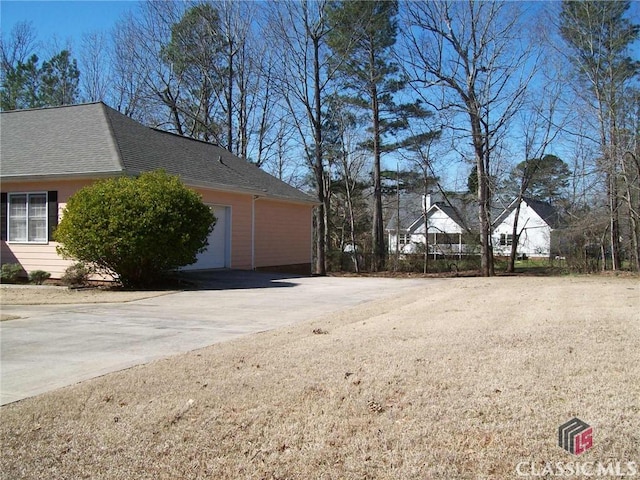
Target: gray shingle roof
[(410, 209), (460, 207), (57, 141), (545, 210), (94, 139)]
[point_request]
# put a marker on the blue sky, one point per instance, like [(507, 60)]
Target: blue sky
[(63, 21)]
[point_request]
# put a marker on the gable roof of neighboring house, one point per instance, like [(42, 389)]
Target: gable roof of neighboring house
[(93, 140), (543, 209), (410, 209), (459, 207)]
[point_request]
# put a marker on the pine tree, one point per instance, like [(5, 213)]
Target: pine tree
[(59, 78), (362, 37), (194, 53), (28, 85), (599, 35)]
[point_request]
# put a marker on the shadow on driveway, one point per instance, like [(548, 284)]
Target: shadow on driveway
[(235, 280)]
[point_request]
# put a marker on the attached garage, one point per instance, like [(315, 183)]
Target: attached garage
[(218, 253), (263, 223)]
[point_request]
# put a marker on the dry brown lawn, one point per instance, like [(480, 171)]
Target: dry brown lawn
[(465, 380), (53, 295)]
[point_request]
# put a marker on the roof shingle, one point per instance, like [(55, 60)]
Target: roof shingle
[(92, 139)]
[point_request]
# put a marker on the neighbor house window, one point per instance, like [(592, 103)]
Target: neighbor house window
[(27, 214), (506, 240)]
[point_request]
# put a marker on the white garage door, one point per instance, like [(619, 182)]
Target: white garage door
[(217, 254)]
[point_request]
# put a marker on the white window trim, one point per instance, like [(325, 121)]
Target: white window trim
[(506, 239), (46, 219)]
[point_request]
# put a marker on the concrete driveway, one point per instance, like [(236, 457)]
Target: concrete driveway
[(53, 346)]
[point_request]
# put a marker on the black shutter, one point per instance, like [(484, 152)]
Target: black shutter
[(52, 211), (3, 216)]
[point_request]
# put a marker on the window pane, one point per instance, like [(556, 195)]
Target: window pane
[(17, 218), (18, 206), (38, 205), (38, 217), (17, 229), (37, 230)]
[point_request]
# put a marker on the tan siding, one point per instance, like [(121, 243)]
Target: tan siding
[(64, 188), (283, 233), (40, 256), (283, 230), (35, 257)]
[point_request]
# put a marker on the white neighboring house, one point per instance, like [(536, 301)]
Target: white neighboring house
[(450, 225), (536, 222), (445, 228)]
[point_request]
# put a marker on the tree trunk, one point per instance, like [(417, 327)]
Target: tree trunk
[(614, 222), (378, 227), (486, 253), (321, 261), (634, 223), (352, 224), (515, 238), (327, 213), (230, 97)]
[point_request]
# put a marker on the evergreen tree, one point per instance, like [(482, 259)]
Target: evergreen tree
[(543, 178), (362, 37), (28, 85), (195, 55), (20, 85), (59, 79), (599, 35)]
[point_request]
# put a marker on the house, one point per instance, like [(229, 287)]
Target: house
[(48, 154), (449, 225), (536, 222), (452, 227)]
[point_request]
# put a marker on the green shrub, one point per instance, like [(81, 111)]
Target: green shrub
[(11, 273), (136, 229), (76, 275), (38, 276)]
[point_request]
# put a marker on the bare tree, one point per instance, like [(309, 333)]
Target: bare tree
[(268, 130), (18, 46), (129, 72), (598, 35), (18, 63), (541, 122), (250, 94), (95, 77), (298, 32), (471, 54), (630, 172), (144, 86)]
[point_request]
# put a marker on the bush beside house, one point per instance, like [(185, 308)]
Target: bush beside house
[(135, 229)]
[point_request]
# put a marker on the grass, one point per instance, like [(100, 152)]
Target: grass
[(461, 381)]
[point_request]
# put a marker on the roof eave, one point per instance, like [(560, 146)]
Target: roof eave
[(247, 191), (188, 182), (59, 176)]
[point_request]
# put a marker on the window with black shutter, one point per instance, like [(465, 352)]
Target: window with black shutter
[(29, 217)]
